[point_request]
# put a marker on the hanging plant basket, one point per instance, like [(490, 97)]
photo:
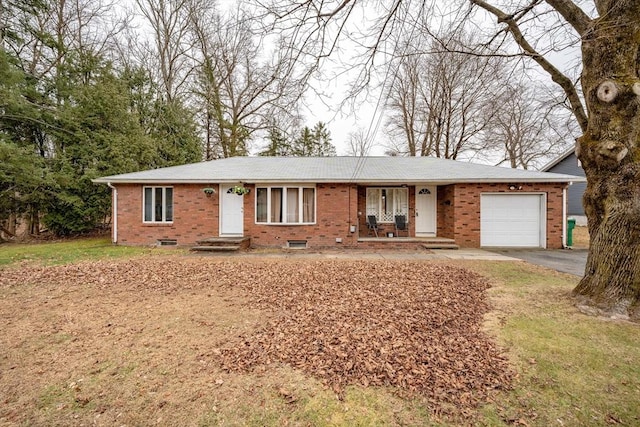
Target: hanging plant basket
[(209, 191), (239, 190)]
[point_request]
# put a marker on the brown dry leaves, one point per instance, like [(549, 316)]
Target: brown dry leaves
[(410, 325)]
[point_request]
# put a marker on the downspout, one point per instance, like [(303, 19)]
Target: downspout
[(115, 212), (564, 216)]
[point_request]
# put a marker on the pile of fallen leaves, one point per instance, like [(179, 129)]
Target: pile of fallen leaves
[(409, 325), (414, 326), (158, 274)]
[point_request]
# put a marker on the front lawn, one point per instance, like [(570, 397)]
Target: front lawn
[(169, 339), (573, 369), (67, 251)]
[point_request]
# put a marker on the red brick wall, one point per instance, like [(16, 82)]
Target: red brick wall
[(446, 210), (195, 216), (336, 210), (338, 207), (465, 211)]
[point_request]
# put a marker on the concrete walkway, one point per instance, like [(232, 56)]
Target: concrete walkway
[(466, 254), (566, 261)]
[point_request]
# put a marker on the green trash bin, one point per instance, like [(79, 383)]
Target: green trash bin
[(571, 224)]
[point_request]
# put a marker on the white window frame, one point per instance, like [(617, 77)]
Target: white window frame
[(153, 204), (397, 210), (284, 188)]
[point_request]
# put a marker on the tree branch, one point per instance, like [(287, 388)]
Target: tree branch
[(575, 16), (556, 75), (336, 11)]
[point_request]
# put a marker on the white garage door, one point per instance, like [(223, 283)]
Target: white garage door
[(512, 220)]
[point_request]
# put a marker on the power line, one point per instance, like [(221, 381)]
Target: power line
[(378, 112)]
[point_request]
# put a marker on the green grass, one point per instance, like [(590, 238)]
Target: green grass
[(69, 251), (362, 407), (315, 406), (573, 370)]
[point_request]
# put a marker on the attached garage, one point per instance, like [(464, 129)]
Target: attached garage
[(513, 220)]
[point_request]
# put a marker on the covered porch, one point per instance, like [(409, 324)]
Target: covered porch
[(405, 211)]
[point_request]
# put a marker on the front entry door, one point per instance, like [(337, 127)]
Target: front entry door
[(425, 210), (231, 212)]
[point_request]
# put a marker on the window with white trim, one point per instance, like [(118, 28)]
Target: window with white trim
[(285, 205), (386, 203), (158, 204)]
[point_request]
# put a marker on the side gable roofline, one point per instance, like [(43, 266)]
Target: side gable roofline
[(560, 158)]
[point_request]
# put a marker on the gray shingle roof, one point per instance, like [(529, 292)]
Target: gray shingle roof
[(335, 169)]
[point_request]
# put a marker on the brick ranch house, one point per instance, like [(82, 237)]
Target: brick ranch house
[(324, 202)]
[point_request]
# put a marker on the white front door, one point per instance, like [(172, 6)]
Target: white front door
[(231, 212), (425, 210)]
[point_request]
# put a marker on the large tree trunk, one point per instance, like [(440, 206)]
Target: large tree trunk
[(610, 156)]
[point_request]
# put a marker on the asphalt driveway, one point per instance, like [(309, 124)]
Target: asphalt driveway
[(572, 261)]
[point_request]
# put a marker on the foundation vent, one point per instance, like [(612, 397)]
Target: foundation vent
[(297, 244), (167, 242)]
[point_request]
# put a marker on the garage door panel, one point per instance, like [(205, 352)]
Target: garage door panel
[(507, 239), (511, 220)]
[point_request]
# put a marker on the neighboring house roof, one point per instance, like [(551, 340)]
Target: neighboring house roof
[(558, 159), (568, 163), (335, 169)]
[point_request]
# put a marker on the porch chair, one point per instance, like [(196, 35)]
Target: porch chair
[(401, 224), (372, 224)]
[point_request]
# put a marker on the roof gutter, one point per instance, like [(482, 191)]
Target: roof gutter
[(564, 216), (339, 180), (114, 214)]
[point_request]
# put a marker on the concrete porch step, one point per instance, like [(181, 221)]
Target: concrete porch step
[(222, 244), (439, 243), (435, 245)]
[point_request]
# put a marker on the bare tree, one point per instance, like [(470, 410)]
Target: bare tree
[(170, 43), (359, 143), (608, 116), (442, 101), (44, 34), (244, 81), (409, 112), (608, 149), (528, 131)]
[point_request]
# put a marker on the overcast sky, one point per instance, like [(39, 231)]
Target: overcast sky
[(369, 113)]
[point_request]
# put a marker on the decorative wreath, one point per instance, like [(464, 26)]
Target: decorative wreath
[(239, 190)]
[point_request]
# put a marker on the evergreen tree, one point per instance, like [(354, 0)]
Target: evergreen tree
[(314, 142), (175, 134), (22, 184), (97, 134), (23, 179), (278, 144), (322, 138), (68, 116)]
